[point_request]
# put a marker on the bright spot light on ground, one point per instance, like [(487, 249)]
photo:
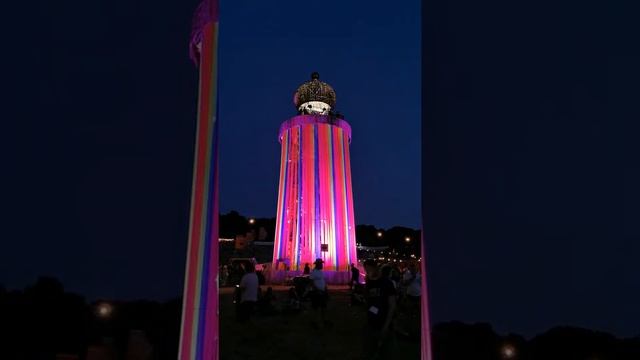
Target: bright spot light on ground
[(251, 221), (407, 239), (379, 234)]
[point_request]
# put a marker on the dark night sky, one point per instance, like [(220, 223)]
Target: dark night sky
[(530, 166), (531, 172), (104, 129)]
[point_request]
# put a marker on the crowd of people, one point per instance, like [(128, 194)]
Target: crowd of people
[(390, 295), (392, 299), (231, 274)]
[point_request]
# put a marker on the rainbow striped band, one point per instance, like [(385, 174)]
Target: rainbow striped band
[(199, 333)]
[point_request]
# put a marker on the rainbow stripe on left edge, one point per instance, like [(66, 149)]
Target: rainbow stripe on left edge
[(199, 333)]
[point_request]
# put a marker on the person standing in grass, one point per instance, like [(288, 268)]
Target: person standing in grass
[(413, 284), (248, 287), (319, 293), (355, 276), (381, 304)]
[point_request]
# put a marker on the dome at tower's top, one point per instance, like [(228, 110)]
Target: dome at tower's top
[(313, 95)]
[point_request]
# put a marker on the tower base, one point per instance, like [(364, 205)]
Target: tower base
[(331, 277)]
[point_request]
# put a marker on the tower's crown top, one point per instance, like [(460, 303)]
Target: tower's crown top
[(313, 92)]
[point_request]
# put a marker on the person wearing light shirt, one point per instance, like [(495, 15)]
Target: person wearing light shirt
[(319, 293), (248, 292)]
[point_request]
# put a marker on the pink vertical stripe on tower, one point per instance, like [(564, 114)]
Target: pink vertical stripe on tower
[(349, 203)]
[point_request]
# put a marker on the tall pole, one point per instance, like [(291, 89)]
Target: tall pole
[(199, 333), (425, 333)]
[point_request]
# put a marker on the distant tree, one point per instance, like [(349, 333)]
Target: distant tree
[(397, 240), (233, 224), (43, 320), (576, 343), (366, 236), (458, 341)]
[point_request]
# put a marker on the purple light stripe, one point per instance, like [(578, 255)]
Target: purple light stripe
[(316, 191), (299, 222)]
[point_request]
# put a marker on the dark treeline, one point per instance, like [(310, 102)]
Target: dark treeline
[(233, 223), (43, 320)]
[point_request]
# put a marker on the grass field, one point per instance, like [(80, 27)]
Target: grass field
[(292, 336)]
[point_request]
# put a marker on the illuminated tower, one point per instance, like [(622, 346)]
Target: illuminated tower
[(315, 199)]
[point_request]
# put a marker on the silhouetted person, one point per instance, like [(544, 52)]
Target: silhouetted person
[(355, 276), (385, 272), (357, 295), (224, 275), (307, 269), (261, 279), (396, 276), (294, 299), (381, 304), (268, 296), (265, 302), (413, 285)]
